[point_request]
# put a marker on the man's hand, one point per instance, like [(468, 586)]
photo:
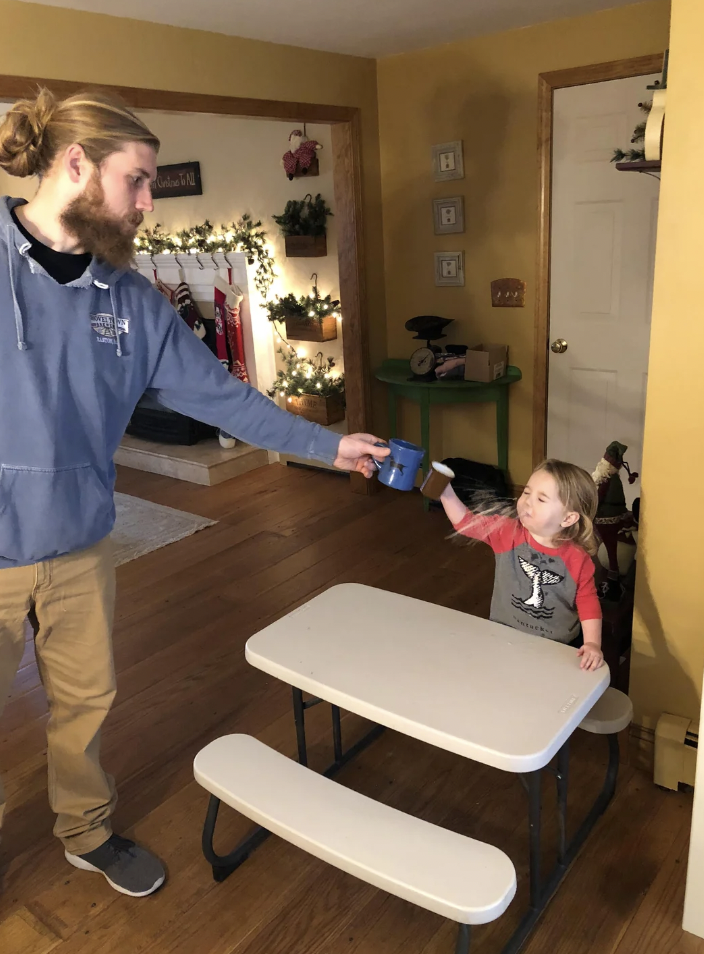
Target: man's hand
[(356, 451)]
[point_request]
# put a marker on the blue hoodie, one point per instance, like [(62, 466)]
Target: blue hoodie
[(74, 361)]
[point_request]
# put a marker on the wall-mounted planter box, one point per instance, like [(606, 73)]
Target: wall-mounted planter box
[(312, 170), (307, 329), (318, 409), (306, 246)]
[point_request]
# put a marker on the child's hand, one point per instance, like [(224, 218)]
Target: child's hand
[(592, 656)]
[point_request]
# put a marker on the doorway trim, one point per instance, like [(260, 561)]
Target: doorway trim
[(345, 123), (547, 84)]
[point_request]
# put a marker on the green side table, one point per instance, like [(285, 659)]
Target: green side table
[(395, 372)]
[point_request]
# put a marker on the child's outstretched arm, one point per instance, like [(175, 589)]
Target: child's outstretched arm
[(454, 508), (488, 528), (592, 656)]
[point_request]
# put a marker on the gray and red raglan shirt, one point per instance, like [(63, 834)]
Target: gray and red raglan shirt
[(537, 589)]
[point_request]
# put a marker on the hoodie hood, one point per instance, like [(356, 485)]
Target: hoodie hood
[(98, 273)]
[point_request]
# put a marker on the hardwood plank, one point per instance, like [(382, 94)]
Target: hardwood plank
[(657, 925), (22, 933)]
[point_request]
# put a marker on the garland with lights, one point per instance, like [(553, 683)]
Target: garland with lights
[(308, 307), (307, 376), (245, 236)]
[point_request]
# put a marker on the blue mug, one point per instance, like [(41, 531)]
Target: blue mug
[(400, 468)]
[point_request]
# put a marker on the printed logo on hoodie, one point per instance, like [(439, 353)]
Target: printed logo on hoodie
[(104, 327)]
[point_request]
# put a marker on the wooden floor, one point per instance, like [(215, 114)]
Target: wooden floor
[(183, 615)]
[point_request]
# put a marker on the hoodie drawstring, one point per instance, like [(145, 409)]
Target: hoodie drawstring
[(113, 302), (19, 321), (14, 264)]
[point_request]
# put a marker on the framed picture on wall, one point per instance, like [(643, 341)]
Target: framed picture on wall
[(449, 268), (448, 215), (448, 161)]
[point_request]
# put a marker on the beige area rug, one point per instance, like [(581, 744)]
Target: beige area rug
[(142, 526)]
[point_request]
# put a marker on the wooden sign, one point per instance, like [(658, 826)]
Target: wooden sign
[(181, 178)]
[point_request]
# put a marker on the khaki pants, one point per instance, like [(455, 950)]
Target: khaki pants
[(70, 601)]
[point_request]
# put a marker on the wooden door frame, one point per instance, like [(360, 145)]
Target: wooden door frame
[(547, 84), (345, 123)]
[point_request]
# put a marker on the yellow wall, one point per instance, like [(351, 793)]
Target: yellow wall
[(56, 43), (669, 627), (483, 91)]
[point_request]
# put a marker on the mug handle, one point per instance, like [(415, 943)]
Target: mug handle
[(378, 463)]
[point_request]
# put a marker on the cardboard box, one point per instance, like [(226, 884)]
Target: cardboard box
[(486, 363)]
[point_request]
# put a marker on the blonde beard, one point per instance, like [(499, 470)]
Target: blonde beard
[(97, 230)]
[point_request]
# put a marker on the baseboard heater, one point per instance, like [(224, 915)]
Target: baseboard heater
[(676, 743)]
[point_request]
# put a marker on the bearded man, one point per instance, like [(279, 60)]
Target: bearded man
[(83, 337)]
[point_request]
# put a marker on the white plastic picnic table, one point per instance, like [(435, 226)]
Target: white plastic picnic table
[(476, 688), (473, 687)]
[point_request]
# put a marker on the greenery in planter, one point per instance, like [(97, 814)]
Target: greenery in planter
[(307, 376), (307, 308), (638, 137), (307, 216), (244, 235)]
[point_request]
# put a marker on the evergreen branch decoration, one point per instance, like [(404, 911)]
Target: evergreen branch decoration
[(634, 155), (307, 216), (307, 376), (631, 155), (308, 308), (245, 235), (638, 133)]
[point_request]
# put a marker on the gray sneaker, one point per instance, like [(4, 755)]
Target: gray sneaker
[(128, 868)]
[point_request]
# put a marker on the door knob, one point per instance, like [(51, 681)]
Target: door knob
[(559, 346)]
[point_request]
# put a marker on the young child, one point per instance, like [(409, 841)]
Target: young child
[(544, 582)]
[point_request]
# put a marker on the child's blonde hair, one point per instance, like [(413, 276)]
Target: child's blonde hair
[(577, 491)]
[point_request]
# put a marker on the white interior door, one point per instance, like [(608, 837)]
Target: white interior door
[(601, 276)]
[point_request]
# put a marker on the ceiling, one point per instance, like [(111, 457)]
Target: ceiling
[(370, 28)]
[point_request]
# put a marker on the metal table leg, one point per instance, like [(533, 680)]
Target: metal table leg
[(224, 865), (567, 851), (534, 819), (299, 718), (562, 776), (464, 937)]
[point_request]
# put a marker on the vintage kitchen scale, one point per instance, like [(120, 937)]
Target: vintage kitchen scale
[(424, 360)]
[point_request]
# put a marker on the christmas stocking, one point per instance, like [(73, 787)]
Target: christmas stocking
[(220, 292), (235, 339), (164, 289), (186, 307)]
